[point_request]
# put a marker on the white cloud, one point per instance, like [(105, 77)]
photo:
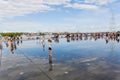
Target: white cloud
[(82, 6), (11, 8), (56, 2), (90, 4), (100, 2)]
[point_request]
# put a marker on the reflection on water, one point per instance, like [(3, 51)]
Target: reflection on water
[(13, 43), (0, 57), (50, 54), (43, 42), (75, 57), (50, 59), (0, 52), (12, 48), (1, 46)]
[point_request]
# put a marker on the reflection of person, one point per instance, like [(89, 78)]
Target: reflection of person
[(56, 40), (1, 44), (21, 39), (106, 39), (50, 55), (68, 39), (18, 40), (43, 43), (6, 41), (7, 44), (0, 57), (72, 39), (50, 59), (14, 44), (12, 48)]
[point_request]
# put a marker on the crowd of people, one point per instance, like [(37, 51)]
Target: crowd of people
[(12, 42), (93, 36)]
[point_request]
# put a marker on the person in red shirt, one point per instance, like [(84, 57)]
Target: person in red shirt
[(11, 39)]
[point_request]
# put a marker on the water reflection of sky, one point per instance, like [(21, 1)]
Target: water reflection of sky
[(86, 58), (63, 50), (63, 47)]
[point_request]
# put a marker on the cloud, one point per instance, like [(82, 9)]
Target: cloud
[(89, 4), (12, 8), (97, 2), (82, 6), (56, 2)]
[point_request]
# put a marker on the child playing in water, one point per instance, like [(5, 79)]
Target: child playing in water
[(50, 44)]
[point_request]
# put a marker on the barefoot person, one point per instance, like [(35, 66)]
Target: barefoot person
[(50, 54), (11, 45), (50, 44), (50, 60)]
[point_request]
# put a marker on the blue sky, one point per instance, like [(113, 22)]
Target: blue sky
[(59, 15)]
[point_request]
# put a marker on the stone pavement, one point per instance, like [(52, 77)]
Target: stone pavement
[(22, 67)]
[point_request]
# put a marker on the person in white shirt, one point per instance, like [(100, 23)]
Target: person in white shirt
[(50, 44)]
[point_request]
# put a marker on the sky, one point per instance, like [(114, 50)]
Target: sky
[(59, 15)]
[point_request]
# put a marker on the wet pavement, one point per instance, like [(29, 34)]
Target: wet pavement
[(74, 60)]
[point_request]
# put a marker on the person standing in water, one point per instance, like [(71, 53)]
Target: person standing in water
[(50, 44), (11, 40), (21, 39), (11, 45), (50, 54), (50, 60)]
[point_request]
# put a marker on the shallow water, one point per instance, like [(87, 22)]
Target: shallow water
[(74, 60)]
